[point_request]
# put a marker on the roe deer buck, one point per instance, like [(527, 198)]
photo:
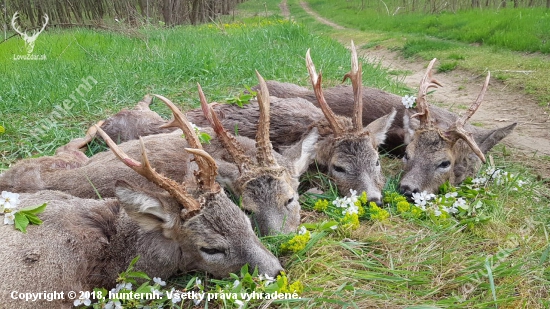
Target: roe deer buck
[(346, 150), (267, 188), (269, 193), (86, 243), (442, 149)]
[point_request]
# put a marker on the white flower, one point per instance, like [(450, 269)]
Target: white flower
[(421, 199), (521, 183), (267, 279), (194, 126), (236, 283), (437, 212), (334, 227), (408, 101), (479, 180), (339, 202), (159, 281), (176, 298), (198, 281), (240, 303), (460, 202), (9, 218), (121, 286), (113, 305), (302, 230), (8, 200), (451, 194), (82, 301), (352, 209), (197, 301)]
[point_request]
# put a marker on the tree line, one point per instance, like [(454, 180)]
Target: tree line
[(101, 13)]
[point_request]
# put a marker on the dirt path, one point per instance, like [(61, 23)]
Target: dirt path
[(501, 106), (284, 9)]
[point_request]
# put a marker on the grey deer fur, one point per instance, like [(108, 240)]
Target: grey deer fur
[(85, 243), (441, 149), (272, 198), (346, 150)]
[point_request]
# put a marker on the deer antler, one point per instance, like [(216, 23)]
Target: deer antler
[(181, 122), (457, 128), (355, 75), (43, 26), (14, 26), (203, 175), (144, 169), (228, 140), (316, 83), (426, 83), (264, 148)]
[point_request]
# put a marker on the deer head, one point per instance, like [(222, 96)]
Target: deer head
[(437, 151), (29, 39), (268, 190), (348, 150), (213, 234)]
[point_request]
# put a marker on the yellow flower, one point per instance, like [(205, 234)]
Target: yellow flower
[(321, 205), (363, 198), (296, 287), (297, 243), (403, 206), (377, 213), (350, 221)]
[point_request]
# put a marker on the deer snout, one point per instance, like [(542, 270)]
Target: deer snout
[(407, 191), (377, 201)]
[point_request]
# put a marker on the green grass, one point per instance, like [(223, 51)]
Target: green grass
[(523, 29), (123, 68)]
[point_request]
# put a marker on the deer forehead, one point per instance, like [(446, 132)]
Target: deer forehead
[(355, 147), (427, 142)]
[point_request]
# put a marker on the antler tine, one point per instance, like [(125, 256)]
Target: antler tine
[(355, 75), (426, 83), (144, 169), (457, 128), (316, 83), (228, 141), (208, 171), (44, 26), (13, 24), (264, 149), (181, 122), (473, 108)]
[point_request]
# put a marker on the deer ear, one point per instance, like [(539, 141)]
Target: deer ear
[(410, 125), (378, 128), (488, 139), (146, 209), (301, 154)]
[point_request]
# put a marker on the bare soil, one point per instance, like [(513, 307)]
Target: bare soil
[(501, 105)]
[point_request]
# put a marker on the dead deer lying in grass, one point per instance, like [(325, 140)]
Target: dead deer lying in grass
[(443, 149), (270, 192), (85, 243), (346, 150)]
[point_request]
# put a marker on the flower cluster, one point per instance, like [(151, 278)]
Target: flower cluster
[(500, 177), (377, 213), (297, 242), (408, 101), (8, 204), (351, 204)]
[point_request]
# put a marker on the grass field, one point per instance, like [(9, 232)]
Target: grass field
[(497, 257)]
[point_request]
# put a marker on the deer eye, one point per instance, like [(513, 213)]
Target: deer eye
[(290, 200), (212, 251), (338, 169), (444, 164)]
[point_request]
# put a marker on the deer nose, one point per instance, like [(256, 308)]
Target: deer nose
[(378, 202), (407, 191)]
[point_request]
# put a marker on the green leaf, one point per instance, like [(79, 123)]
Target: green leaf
[(144, 288), (21, 222), (2, 130), (137, 274), (33, 219), (34, 209)]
